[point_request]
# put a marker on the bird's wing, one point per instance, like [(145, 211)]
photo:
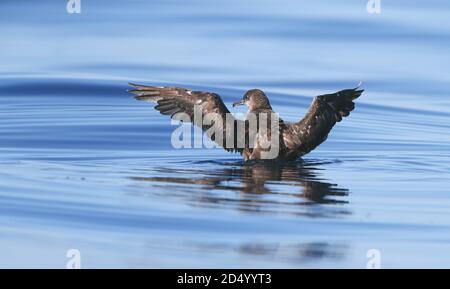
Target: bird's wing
[(196, 107), (322, 115)]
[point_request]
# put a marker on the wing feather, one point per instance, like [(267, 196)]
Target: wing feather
[(324, 112), (173, 100)]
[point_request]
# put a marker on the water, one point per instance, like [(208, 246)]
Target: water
[(85, 166)]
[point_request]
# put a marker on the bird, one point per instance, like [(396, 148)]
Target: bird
[(292, 140)]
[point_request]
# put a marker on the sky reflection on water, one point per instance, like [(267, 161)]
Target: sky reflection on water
[(86, 166)]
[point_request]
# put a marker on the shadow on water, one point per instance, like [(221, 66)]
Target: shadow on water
[(293, 189), (252, 187), (298, 254)]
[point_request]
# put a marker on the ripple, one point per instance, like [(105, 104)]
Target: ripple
[(86, 166)]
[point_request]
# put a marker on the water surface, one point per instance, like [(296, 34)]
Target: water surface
[(83, 165)]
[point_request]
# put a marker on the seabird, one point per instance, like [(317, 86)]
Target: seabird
[(295, 139)]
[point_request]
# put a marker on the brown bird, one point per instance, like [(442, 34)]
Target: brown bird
[(291, 140)]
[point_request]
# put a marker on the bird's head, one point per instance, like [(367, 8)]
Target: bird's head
[(254, 99)]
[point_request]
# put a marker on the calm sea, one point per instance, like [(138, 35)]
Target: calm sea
[(85, 166)]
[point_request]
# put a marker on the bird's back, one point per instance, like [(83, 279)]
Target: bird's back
[(265, 136)]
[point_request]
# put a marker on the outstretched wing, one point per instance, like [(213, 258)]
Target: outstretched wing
[(195, 106), (322, 115)]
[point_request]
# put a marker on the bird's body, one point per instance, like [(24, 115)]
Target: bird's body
[(262, 135)]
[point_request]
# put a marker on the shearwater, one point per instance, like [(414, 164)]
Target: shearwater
[(254, 142)]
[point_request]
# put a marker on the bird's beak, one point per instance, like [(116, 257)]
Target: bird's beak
[(240, 102)]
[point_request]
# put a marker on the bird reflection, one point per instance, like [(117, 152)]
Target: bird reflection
[(260, 186)]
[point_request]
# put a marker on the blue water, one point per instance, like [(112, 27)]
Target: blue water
[(85, 166)]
